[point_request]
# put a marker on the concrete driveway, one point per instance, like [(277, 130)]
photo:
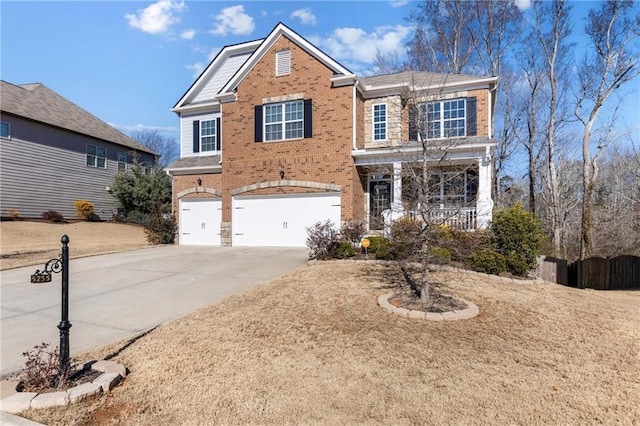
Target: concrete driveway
[(116, 295)]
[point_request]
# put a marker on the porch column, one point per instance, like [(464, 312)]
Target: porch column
[(396, 204), (484, 207)]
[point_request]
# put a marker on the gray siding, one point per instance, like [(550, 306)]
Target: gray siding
[(44, 168), (186, 133)]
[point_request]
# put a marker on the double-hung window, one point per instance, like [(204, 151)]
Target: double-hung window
[(5, 130), (96, 156), (122, 161), (379, 122), (208, 136), (444, 119), (284, 121)]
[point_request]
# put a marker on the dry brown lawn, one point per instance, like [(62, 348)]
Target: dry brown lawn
[(26, 243), (313, 347)]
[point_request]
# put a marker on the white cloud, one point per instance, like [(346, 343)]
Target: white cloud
[(156, 18), (188, 34), (356, 45), (233, 20), (196, 69), (398, 3), (305, 16), (523, 4)]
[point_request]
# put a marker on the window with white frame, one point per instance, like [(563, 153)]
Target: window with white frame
[(379, 122), (444, 119), (122, 161), (283, 62), (96, 156), (5, 130), (208, 136), (452, 188), (284, 121)]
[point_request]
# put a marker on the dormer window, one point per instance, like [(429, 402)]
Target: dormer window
[(283, 62)]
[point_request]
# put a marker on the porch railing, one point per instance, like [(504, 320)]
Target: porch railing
[(463, 219)]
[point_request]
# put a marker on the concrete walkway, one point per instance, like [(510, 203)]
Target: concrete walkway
[(116, 295)]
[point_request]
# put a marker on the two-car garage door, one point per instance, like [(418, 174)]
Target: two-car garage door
[(281, 220)]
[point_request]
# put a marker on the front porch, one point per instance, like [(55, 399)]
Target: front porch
[(451, 191)]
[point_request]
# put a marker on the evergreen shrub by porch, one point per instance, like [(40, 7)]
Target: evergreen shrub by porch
[(344, 250), (381, 247), (84, 209), (488, 261), (440, 255), (516, 234)]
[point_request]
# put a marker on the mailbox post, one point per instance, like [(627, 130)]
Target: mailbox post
[(61, 264)]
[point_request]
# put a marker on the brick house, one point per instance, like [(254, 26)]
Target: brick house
[(276, 135)]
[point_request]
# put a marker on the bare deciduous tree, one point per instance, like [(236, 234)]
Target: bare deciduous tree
[(612, 61), (166, 148)]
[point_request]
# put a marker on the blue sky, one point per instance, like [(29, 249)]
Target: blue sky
[(129, 62)]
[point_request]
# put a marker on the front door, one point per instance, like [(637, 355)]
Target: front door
[(379, 200)]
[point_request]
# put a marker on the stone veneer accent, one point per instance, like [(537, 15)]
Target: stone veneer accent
[(199, 190), (281, 183)]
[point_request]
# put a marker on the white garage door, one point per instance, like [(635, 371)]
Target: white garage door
[(281, 220), (200, 222)]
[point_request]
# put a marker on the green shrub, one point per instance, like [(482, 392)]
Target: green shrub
[(460, 244), (84, 209), (52, 216), (161, 229), (488, 261), (517, 264), (344, 250), (440, 255), (517, 231), (381, 247)]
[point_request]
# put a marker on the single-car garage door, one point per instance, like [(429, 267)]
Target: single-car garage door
[(281, 220), (200, 221)]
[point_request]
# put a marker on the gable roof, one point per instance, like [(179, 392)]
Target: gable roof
[(37, 102), (212, 78), (339, 71)]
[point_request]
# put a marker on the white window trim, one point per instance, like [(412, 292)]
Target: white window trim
[(441, 120), (126, 165), (446, 199), (283, 63), (8, 130), (373, 122), (283, 133), (96, 157), (216, 145)]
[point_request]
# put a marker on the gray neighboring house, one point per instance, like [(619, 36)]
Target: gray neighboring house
[(53, 152)]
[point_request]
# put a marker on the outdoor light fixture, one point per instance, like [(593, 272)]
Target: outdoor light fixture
[(199, 182), (281, 174)]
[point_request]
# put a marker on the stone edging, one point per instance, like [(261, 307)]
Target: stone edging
[(16, 402), (471, 311)]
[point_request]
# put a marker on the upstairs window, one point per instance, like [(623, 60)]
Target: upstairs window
[(208, 139), (122, 161), (283, 62), (379, 122), (206, 135), (443, 119), (5, 130), (96, 156), (284, 121)]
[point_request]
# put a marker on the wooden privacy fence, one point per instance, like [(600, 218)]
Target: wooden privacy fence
[(618, 273)]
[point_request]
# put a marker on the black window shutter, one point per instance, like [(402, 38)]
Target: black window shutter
[(196, 136), (258, 123), (472, 121), (308, 119), (218, 134), (413, 122)]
